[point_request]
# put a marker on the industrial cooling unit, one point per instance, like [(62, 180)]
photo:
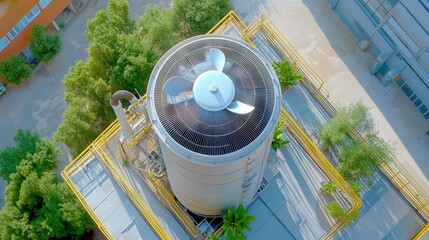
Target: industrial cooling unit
[(214, 102)]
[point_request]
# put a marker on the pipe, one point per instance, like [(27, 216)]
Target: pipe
[(115, 102)]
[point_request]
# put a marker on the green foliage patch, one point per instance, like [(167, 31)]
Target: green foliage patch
[(37, 204), (121, 55), (44, 46), (328, 187), (278, 140), (14, 69), (287, 76)]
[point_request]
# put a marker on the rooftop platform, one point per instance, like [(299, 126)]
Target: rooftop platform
[(289, 204)]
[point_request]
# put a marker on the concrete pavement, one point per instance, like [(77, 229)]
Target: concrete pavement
[(330, 48)]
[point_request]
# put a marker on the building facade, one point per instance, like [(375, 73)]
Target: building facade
[(18, 16), (395, 33)]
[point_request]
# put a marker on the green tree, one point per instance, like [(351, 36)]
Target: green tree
[(122, 57), (158, 27), (117, 53), (79, 127), (198, 17), (118, 59), (38, 205), (11, 157), (44, 46), (14, 69), (287, 76), (278, 140)]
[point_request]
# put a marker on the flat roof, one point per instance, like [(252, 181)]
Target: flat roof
[(289, 205)]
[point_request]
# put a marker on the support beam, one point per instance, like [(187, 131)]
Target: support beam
[(56, 25), (71, 7)]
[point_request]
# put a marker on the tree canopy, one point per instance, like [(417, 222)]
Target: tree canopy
[(11, 157), (198, 17), (121, 55), (44, 46), (14, 69), (38, 205)]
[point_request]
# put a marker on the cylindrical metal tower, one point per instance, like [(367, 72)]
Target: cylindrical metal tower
[(214, 102)]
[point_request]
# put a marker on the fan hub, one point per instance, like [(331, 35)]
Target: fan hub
[(213, 90)]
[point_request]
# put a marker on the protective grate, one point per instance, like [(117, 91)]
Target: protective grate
[(221, 132)]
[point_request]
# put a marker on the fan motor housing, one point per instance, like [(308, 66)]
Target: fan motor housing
[(215, 158)]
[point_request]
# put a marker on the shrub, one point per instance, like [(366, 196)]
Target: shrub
[(278, 141), (360, 159), (356, 117), (335, 210), (357, 187), (235, 222), (14, 69), (287, 76), (44, 46), (328, 187)]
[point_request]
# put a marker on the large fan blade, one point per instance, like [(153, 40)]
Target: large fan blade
[(240, 108), (217, 58), (175, 85), (196, 70), (177, 90)]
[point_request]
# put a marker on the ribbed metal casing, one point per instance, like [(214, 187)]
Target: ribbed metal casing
[(215, 160)]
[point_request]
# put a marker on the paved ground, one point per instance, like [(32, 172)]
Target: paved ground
[(324, 42)]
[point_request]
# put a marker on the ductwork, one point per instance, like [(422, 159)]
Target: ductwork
[(115, 102)]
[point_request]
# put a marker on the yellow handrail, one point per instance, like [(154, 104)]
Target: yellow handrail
[(397, 173), (95, 218), (131, 193), (421, 232), (326, 166), (230, 18)]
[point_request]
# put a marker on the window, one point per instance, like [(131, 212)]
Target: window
[(24, 22), (44, 3), (3, 43), (418, 102), (407, 90), (378, 9), (423, 109)]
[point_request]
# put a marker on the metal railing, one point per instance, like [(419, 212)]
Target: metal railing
[(94, 149), (422, 232), (403, 180), (263, 25), (85, 157), (131, 193), (325, 165), (168, 200), (224, 23)]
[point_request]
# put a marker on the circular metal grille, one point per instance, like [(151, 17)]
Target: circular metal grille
[(219, 132)]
